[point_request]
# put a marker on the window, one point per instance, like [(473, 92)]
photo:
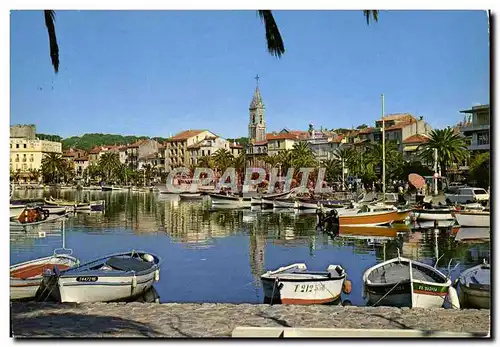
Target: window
[(24, 145), (11, 145), (483, 138), (480, 191), (17, 157), (32, 158), (17, 145)]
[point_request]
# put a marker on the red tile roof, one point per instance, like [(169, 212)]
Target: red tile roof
[(398, 117), (368, 130), (235, 145), (95, 150), (258, 143), (82, 159), (184, 135), (418, 138)]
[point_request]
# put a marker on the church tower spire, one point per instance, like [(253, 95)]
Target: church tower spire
[(257, 124)]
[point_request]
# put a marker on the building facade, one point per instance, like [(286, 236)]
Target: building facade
[(177, 153), (26, 153), (476, 128)]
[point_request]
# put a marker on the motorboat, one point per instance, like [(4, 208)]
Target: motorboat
[(473, 218)]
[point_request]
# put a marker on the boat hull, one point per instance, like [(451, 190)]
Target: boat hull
[(302, 292), (15, 211), (432, 214), (25, 278), (368, 218), (478, 219), (283, 204), (104, 289), (471, 298)]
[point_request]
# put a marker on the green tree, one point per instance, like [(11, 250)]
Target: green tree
[(275, 44), (222, 159), (333, 170), (206, 161), (393, 159), (109, 163), (450, 146), (479, 170), (303, 156), (53, 166)]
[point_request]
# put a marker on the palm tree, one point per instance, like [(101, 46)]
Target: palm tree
[(451, 148), (52, 165), (285, 159), (109, 163), (302, 155), (205, 161), (93, 171), (393, 158), (275, 44), (333, 170), (222, 159)]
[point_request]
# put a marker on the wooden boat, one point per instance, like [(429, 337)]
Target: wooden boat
[(97, 205), (25, 278), (360, 218), (403, 282), (474, 287), (54, 209), (283, 203), (16, 223), (305, 204), (61, 202), (294, 284), (16, 210), (191, 196), (473, 218), (232, 200), (434, 213), (113, 277)]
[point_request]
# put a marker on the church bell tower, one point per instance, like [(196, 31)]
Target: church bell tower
[(257, 123)]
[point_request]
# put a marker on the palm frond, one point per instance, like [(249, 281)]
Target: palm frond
[(51, 29), (275, 44), (370, 13)]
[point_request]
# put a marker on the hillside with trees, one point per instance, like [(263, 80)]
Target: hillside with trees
[(87, 141)]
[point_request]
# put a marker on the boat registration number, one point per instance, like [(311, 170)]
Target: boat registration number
[(87, 279), (308, 288)]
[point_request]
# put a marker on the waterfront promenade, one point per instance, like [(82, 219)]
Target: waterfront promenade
[(34, 319)]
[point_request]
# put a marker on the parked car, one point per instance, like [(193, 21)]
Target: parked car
[(468, 195)]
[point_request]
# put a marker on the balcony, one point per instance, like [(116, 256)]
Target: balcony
[(476, 147), (473, 128)]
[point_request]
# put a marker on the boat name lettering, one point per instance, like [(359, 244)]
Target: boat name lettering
[(87, 279), (426, 288), (308, 288)]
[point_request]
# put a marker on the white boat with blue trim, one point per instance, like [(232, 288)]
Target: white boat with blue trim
[(111, 278)]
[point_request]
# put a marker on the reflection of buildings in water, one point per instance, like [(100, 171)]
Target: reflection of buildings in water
[(191, 223), (49, 235), (257, 253), (412, 246)]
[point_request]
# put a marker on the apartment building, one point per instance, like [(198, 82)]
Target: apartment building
[(177, 153)]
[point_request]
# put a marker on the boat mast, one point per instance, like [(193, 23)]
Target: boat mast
[(383, 150)]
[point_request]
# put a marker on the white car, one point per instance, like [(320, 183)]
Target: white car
[(468, 195)]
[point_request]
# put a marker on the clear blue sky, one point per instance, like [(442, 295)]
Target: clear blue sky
[(156, 73)]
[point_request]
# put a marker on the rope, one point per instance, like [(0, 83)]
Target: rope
[(274, 286), (387, 292)]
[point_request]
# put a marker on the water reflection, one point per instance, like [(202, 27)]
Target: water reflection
[(218, 255)]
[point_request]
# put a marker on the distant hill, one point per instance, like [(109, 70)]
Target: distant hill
[(88, 141), (241, 140)]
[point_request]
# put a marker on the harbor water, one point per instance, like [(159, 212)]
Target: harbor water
[(217, 255)]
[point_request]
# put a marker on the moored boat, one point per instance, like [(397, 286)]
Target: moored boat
[(54, 209), (283, 203), (231, 200), (110, 188), (360, 218), (434, 213), (470, 218), (26, 277), (16, 210), (294, 284), (472, 234), (403, 282), (114, 277), (474, 287), (191, 196)]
